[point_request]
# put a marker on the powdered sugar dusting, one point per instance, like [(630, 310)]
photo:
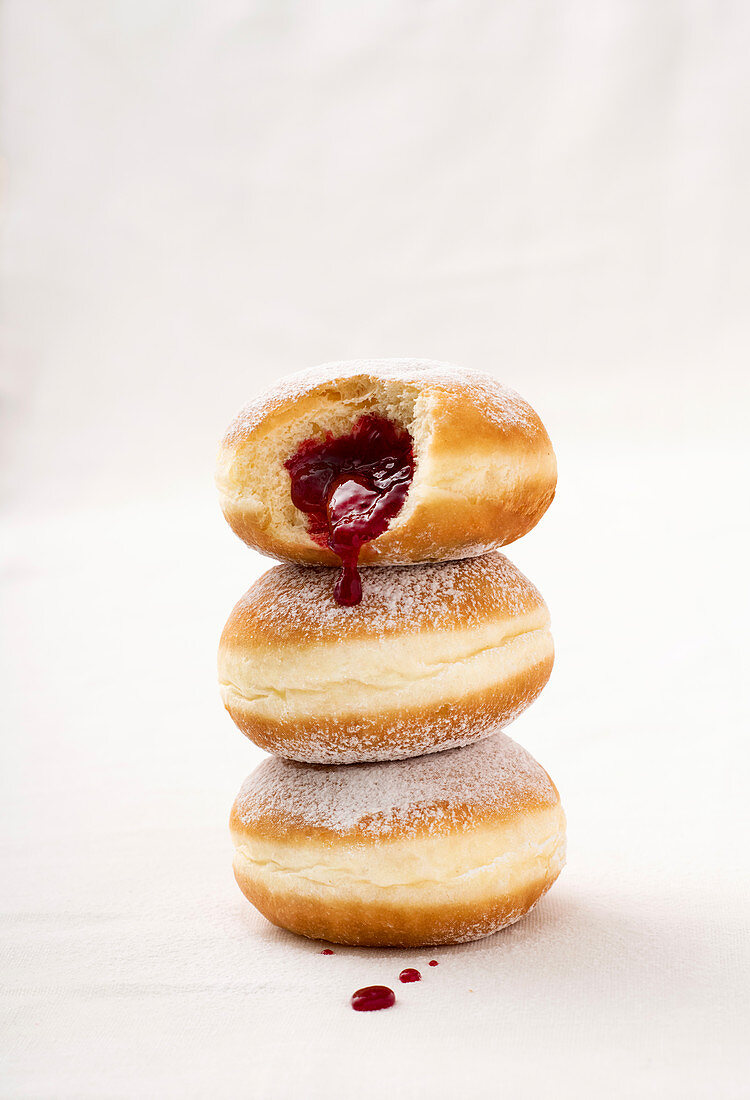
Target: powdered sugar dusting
[(396, 599), (357, 742), (501, 405), (447, 791)]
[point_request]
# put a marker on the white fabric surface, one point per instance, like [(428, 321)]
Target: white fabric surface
[(202, 196)]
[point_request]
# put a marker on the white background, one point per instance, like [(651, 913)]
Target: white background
[(198, 197)]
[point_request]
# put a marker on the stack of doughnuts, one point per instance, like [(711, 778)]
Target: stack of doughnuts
[(381, 660)]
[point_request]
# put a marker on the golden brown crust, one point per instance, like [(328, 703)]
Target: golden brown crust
[(383, 924), (293, 605), (493, 782), (486, 470)]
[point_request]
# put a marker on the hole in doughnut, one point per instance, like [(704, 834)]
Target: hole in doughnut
[(350, 487)]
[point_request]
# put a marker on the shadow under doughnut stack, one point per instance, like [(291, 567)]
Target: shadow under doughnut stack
[(380, 662)]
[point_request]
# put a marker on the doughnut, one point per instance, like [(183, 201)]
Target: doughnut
[(384, 462), (435, 656), (440, 850)]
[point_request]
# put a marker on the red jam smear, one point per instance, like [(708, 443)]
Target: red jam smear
[(410, 975), (433, 962), (326, 951), (350, 488), (372, 998)]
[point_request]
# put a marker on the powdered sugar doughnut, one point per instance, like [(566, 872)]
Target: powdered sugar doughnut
[(385, 462), (444, 849), (435, 656)]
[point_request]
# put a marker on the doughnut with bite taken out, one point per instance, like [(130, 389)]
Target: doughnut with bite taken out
[(383, 462)]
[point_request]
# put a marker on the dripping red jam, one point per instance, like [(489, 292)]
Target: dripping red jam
[(410, 975), (350, 488), (372, 998)]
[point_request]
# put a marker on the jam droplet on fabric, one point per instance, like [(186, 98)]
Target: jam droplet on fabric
[(326, 951), (433, 962), (350, 488), (372, 998), (410, 975)]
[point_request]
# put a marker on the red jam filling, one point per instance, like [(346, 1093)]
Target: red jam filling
[(350, 488), (372, 998), (410, 975)]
